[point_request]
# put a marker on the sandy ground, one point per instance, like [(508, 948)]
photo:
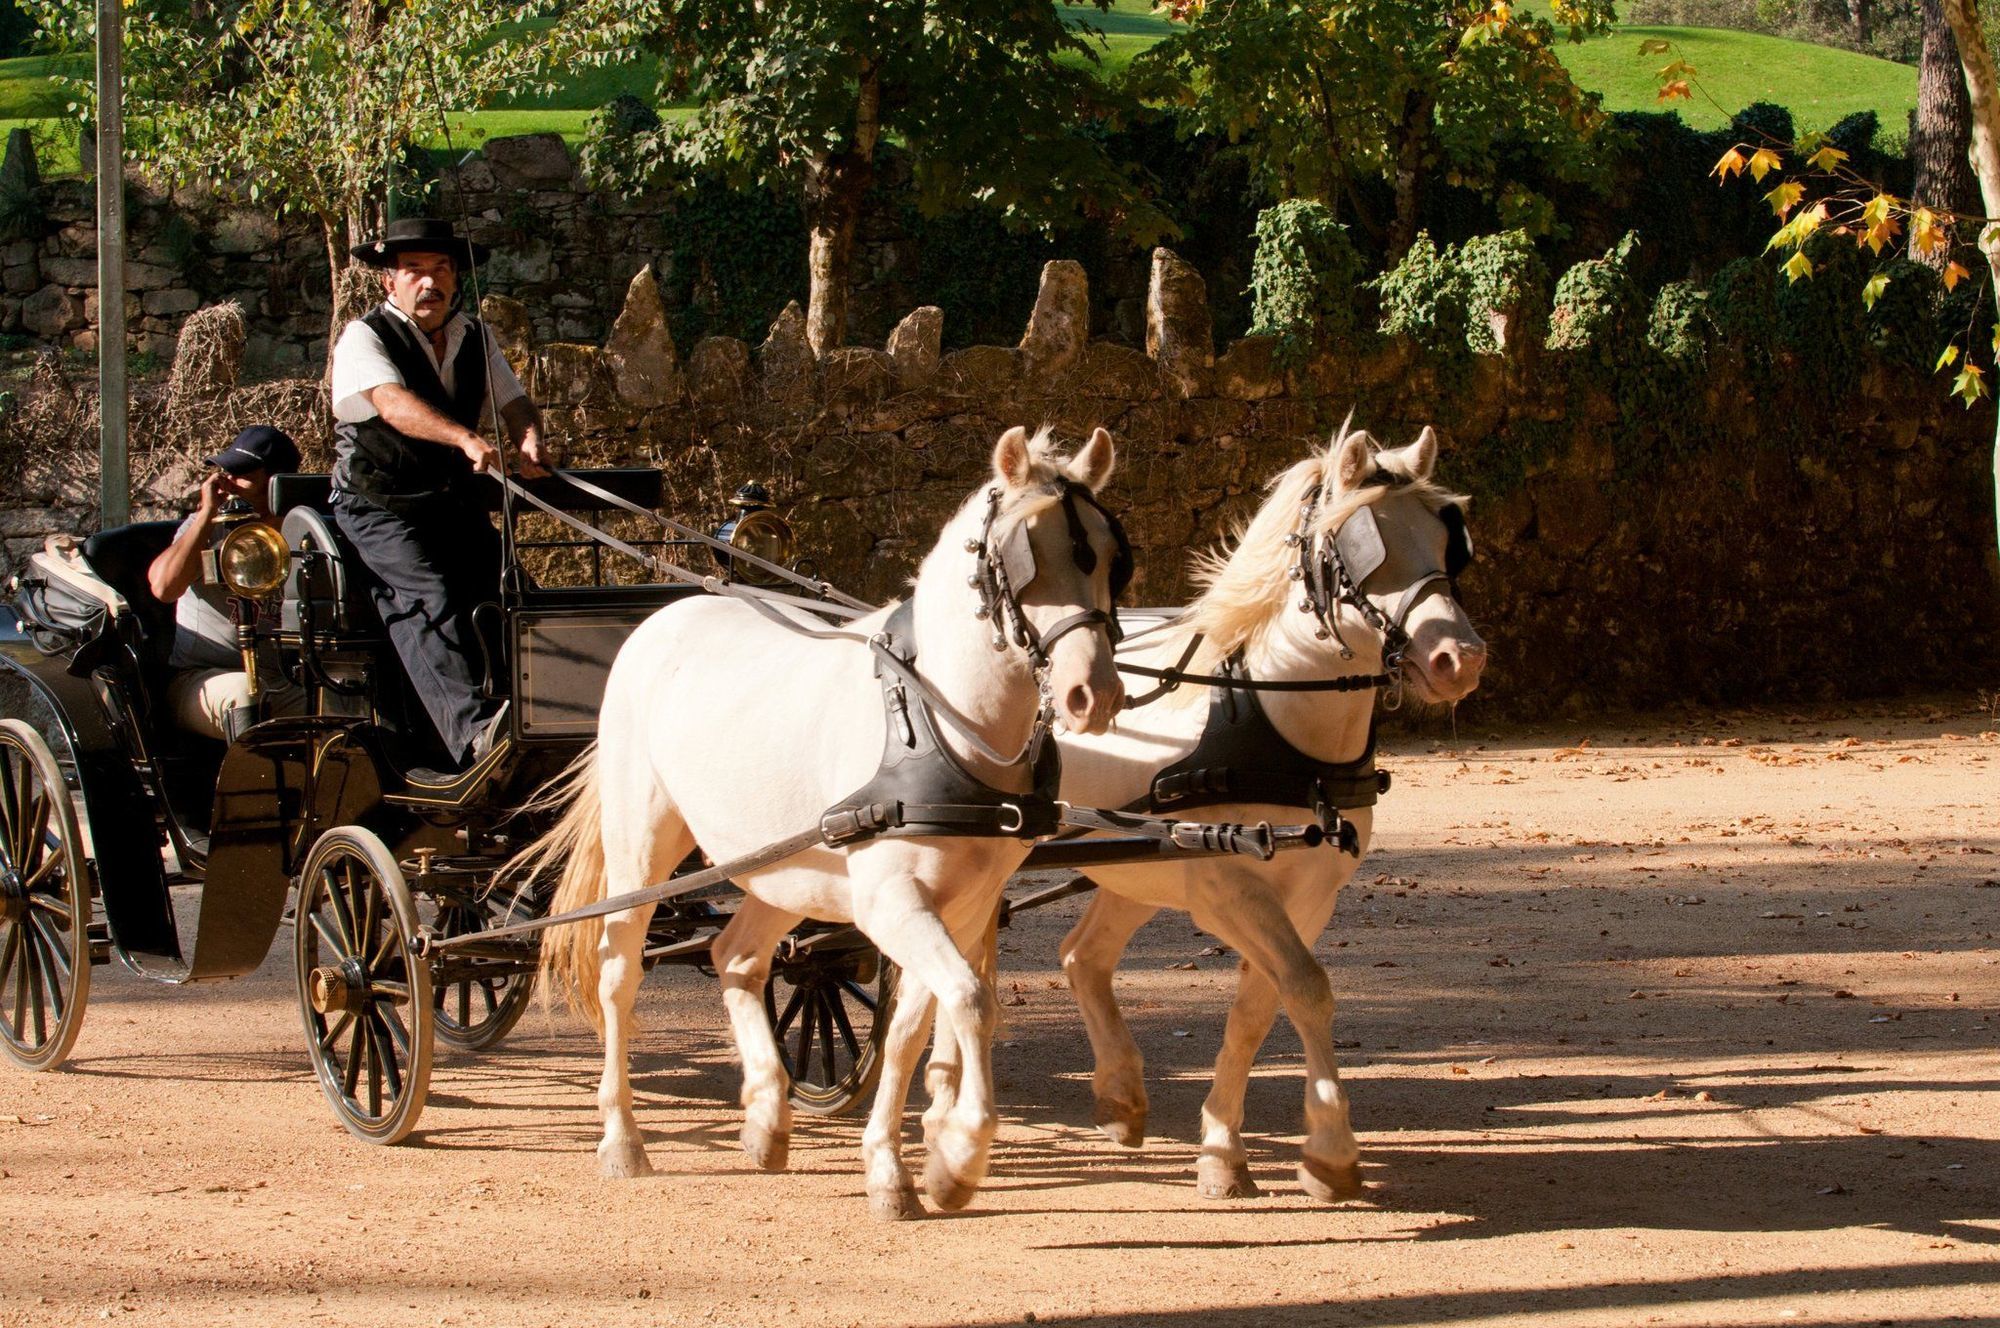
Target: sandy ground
[(1689, 1025)]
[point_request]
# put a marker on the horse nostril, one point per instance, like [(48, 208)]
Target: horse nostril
[(1078, 701), (1444, 664)]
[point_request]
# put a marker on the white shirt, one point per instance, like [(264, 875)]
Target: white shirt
[(361, 363)]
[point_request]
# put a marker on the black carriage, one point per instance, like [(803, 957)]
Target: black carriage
[(326, 821)]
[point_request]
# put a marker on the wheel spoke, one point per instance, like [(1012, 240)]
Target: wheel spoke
[(36, 980), (398, 992), (859, 993), (808, 1024), (36, 841), (828, 1051), (23, 961), (371, 900), (329, 935), (350, 1072), (334, 1030), (782, 1025), (389, 1019), (57, 948), (392, 1068), (10, 950), (839, 1009), (10, 810), (465, 1005), (55, 905), (488, 993), (374, 1067), (22, 787), (330, 888)]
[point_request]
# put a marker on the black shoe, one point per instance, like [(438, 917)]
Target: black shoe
[(492, 737)]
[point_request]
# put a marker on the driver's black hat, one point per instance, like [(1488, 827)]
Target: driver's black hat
[(259, 447), (419, 235)]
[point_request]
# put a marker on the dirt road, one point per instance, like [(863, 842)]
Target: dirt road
[(1694, 1025)]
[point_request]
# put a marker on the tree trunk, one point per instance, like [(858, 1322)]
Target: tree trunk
[(1857, 21), (1982, 85), (1412, 141), (1941, 133), (835, 186)]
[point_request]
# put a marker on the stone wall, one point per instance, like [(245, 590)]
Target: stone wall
[(1819, 541)]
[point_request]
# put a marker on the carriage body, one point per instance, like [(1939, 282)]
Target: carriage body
[(131, 814)]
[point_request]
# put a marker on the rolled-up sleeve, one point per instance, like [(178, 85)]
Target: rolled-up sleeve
[(360, 364)]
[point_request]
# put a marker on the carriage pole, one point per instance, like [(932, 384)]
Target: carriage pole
[(115, 477)]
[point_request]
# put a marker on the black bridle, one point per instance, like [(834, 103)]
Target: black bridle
[(1003, 571)]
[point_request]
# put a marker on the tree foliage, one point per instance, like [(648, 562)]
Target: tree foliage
[(994, 101), (1328, 93)]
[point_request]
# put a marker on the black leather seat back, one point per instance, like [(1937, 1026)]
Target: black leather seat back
[(122, 556), (328, 587)]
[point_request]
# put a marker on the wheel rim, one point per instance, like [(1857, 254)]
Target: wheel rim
[(828, 1014), (364, 994), (44, 905), (474, 1007)]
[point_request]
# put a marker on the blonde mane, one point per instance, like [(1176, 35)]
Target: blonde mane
[(1245, 584)]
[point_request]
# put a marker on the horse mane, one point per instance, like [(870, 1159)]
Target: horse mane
[(1244, 583)]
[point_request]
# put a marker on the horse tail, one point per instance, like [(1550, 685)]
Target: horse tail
[(569, 958)]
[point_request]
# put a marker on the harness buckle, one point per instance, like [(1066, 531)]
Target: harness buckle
[(1020, 818)]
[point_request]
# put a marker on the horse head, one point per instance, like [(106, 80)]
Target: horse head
[(1049, 563), (1386, 548)]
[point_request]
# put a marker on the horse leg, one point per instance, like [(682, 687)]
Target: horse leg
[(892, 1195), (941, 1074), (643, 841), (1278, 967), (1090, 955), (897, 918), (1223, 1169), (741, 953)]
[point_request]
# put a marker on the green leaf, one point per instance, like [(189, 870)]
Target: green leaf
[(1872, 290)]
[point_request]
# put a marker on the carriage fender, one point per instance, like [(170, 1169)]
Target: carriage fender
[(131, 878)]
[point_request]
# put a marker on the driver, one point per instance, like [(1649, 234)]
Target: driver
[(209, 693), (414, 383)]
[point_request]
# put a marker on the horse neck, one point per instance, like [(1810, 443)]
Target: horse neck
[(1329, 726), (994, 689)]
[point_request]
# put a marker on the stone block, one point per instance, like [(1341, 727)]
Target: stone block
[(854, 378), (1180, 335), (980, 371), (785, 362), (513, 330), (10, 314), (22, 278), (518, 265), (50, 312), (77, 272), (243, 231), (168, 303), (77, 240), (1059, 327), (1248, 370), (528, 161), (645, 369), (914, 346), (568, 374), (19, 252), (718, 371), (1107, 369)]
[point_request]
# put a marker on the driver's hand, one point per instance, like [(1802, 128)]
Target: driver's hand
[(533, 465), (482, 454), (214, 492)]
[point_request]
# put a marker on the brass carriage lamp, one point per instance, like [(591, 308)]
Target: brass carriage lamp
[(756, 529), (251, 561)]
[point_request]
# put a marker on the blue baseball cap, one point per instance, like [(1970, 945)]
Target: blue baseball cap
[(259, 447)]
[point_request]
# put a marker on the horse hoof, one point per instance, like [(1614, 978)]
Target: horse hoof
[(1220, 1178), (948, 1188), (1330, 1184), (626, 1162), (767, 1148), (1122, 1126), (897, 1205)]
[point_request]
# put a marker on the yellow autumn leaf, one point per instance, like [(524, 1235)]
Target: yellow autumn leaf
[(1953, 274), (1785, 197), (1827, 158), (1946, 358), (1925, 232), (1878, 209), (1872, 290), (1732, 163), (1970, 385), (1762, 162), (1676, 91), (1798, 267)]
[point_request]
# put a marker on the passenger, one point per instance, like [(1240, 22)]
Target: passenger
[(414, 383), (210, 693)]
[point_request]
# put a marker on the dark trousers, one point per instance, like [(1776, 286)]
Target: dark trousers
[(431, 571)]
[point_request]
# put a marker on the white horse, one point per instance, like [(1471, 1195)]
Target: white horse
[(1271, 912), (722, 729)]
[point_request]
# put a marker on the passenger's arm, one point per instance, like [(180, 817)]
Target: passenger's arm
[(177, 565)]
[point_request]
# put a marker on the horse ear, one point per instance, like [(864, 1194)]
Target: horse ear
[(1423, 453), (1353, 461), (1091, 466), (1011, 460)]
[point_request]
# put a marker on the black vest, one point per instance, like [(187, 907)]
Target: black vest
[(408, 475)]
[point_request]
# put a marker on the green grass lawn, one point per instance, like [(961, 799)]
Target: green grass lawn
[(1819, 84), (1734, 69)]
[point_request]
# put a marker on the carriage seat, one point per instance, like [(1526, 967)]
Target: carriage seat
[(333, 588), (120, 557)]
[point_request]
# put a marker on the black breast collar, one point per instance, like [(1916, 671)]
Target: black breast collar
[(1241, 757), (921, 789)]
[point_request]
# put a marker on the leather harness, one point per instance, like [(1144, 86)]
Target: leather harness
[(921, 789)]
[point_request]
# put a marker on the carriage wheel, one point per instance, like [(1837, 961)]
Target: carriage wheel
[(829, 1010), (44, 904), (473, 1008), (363, 992)]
